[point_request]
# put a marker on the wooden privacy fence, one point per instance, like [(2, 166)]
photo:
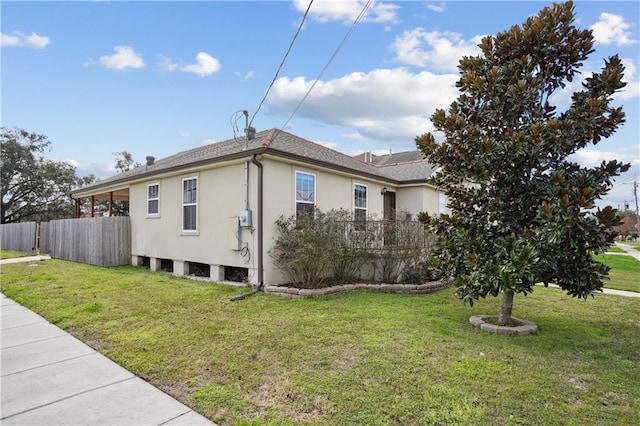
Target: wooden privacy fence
[(43, 237), (19, 236), (102, 241)]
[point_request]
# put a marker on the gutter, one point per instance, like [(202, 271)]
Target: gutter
[(260, 220), (258, 164)]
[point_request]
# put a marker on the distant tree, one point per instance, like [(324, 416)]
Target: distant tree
[(33, 187), (125, 161), (518, 204)]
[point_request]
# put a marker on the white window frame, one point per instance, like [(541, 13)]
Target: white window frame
[(442, 203), (295, 190), (356, 208), (189, 204), (156, 199)]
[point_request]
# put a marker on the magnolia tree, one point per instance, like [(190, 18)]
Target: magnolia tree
[(519, 205)]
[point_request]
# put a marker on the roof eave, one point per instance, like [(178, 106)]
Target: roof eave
[(125, 182)]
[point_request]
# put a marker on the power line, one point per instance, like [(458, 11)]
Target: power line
[(282, 63), (624, 182), (344, 40)]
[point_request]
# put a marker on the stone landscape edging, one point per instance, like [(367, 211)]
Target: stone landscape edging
[(527, 327), (295, 292)]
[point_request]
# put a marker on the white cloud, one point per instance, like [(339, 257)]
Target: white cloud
[(205, 65), (204, 142), (246, 76), (439, 7), (434, 50), (347, 11), (72, 162), (632, 89), (384, 104), (184, 135), (353, 136), (18, 39), (562, 97), (591, 158), (167, 65), (125, 57), (612, 29)]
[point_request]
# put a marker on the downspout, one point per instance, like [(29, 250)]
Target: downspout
[(259, 165)]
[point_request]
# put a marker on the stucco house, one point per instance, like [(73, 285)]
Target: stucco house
[(214, 207)]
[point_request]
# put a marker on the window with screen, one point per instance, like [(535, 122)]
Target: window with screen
[(153, 199), (305, 192), (189, 204)]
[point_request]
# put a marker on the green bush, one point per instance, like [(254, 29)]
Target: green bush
[(318, 249)]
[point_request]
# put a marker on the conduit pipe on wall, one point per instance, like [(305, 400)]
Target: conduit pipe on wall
[(259, 165)]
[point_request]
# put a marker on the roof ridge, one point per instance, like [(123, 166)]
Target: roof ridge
[(270, 137), (401, 163)]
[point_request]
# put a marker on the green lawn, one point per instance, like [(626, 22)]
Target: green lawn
[(349, 359), (8, 254), (614, 249), (624, 274)]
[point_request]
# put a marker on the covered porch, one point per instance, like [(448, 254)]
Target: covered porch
[(101, 203)]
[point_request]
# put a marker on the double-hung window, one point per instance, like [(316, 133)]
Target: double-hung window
[(190, 204), (305, 192), (360, 205), (153, 199), (442, 203)]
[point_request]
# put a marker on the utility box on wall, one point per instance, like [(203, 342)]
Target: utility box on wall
[(246, 219)]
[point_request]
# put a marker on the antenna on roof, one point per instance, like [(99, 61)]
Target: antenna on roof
[(249, 132)]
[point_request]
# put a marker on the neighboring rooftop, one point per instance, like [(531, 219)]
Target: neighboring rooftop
[(391, 158)]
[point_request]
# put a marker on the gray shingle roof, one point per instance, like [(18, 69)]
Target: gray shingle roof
[(283, 144)]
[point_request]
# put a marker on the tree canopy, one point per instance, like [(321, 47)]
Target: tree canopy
[(519, 205), (124, 161), (33, 187)]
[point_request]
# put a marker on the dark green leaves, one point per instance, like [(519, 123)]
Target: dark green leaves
[(518, 205)]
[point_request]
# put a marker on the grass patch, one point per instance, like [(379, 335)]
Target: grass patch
[(614, 249), (359, 358), (624, 274), (10, 254)]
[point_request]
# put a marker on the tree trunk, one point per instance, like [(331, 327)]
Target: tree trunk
[(507, 306)]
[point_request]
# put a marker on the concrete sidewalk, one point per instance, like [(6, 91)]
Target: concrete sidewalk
[(25, 259), (629, 250), (48, 377)]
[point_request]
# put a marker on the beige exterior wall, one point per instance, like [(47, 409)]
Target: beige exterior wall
[(416, 199), (220, 201), (333, 191)]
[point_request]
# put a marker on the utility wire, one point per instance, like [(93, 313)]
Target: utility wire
[(624, 182), (282, 63), (335, 53)]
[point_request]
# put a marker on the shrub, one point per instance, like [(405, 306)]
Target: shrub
[(408, 244), (419, 273), (315, 248)]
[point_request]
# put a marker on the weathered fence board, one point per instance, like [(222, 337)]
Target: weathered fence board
[(43, 238), (102, 241), (18, 236)]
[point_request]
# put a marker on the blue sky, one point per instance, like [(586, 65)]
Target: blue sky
[(156, 78)]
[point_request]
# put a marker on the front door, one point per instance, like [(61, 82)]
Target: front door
[(389, 206)]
